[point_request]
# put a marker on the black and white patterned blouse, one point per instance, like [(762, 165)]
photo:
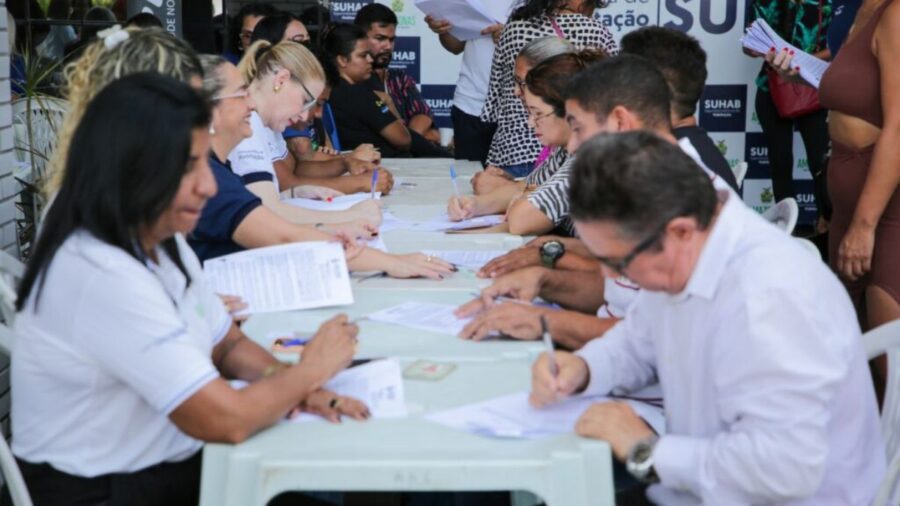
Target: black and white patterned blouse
[(544, 171), (552, 198), (514, 142)]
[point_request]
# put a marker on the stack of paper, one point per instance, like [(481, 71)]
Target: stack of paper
[(468, 17), (378, 384), (299, 275), (511, 416), (341, 203), (760, 37)]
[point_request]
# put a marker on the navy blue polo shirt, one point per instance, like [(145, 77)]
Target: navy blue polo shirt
[(214, 234)]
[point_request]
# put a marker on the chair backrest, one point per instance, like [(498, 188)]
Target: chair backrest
[(740, 172), (11, 271), (13, 476), (47, 115), (881, 340), (784, 214), (809, 246)]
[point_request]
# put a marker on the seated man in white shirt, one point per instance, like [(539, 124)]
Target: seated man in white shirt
[(768, 395)]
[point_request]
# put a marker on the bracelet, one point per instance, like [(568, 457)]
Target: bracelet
[(271, 369)]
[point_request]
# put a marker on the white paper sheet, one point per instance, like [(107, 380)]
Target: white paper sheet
[(390, 222), (442, 222), (377, 243), (472, 259), (423, 316), (341, 203), (511, 416), (468, 17), (760, 37), (299, 275), (378, 384)]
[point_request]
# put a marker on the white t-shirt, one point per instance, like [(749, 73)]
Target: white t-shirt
[(618, 294), (474, 75), (113, 347), (254, 157)]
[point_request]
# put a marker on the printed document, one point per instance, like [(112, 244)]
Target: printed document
[(341, 203), (442, 222), (511, 416), (468, 17), (472, 259), (760, 37), (300, 275), (378, 384), (423, 316)]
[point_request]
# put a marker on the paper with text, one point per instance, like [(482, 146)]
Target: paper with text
[(423, 316), (468, 17), (299, 275), (472, 259), (378, 384), (511, 416), (760, 37), (341, 203), (442, 222)]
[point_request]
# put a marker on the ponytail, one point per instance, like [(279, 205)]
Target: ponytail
[(250, 64)]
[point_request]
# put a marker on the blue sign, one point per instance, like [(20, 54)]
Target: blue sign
[(440, 98), (408, 56), (723, 108), (804, 193), (344, 11), (756, 153)]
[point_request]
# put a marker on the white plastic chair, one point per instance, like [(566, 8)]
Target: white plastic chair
[(879, 341), (12, 476), (740, 172), (11, 271), (810, 246), (783, 214), (47, 115)]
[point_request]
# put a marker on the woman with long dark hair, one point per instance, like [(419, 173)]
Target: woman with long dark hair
[(122, 349), (514, 147)]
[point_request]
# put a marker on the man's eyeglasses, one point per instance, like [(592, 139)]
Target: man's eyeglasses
[(620, 264)]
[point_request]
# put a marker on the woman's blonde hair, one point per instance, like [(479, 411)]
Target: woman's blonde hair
[(145, 50), (263, 58)]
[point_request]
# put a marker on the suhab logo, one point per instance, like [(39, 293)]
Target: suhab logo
[(723, 147), (766, 196)]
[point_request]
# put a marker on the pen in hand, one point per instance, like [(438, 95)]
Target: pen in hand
[(374, 182), (453, 179)]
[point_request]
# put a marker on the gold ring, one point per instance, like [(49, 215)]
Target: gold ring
[(429, 258)]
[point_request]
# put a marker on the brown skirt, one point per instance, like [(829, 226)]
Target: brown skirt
[(847, 172)]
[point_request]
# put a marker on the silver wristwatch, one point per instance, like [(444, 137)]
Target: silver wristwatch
[(640, 461)]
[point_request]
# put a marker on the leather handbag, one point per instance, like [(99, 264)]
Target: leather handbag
[(793, 100)]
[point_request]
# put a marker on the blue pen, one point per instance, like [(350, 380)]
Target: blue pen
[(291, 342), (374, 182), (453, 179)]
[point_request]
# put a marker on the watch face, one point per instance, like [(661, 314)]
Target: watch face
[(552, 248)]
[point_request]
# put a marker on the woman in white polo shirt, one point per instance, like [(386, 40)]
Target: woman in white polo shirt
[(122, 351)]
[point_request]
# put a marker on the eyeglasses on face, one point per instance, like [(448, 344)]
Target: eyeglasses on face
[(621, 263)]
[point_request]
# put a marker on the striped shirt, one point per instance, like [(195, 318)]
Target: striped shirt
[(548, 167), (552, 198)]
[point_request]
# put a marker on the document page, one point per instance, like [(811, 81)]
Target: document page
[(472, 259), (299, 275), (378, 384), (341, 203), (511, 416), (423, 316), (760, 37), (443, 222), (468, 17)]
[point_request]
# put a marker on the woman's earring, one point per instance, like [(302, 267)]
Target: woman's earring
[(277, 88), (212, 129)]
